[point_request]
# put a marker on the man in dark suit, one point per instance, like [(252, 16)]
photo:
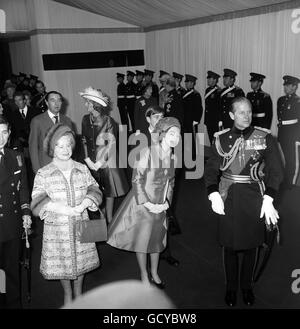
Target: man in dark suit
[(39, 127), (130, 97), (148, 76), (121, 96), (228, 94), (212, 100), (14, 208), (288, 113), (178, 78), (192, 106), (262, 107)]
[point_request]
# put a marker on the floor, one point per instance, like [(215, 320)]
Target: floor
[(198, 282)]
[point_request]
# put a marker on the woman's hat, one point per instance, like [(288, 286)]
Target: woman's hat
[(166, 123), (53, 135), (95, 95)]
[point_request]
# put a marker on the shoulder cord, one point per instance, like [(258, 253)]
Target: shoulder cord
[(230, 156)]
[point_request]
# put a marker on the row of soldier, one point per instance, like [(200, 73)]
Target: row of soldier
[(185, 104)]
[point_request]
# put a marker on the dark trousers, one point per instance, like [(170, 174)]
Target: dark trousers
[(231, 268), (9, 262), (287, 136), (123, 114)]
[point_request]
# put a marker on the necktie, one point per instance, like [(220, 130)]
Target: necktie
[(1, 155), (23, 114), (55, 119)]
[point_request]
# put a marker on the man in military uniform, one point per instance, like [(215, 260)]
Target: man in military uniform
[(139, 76), (228, 94), (173, 103), (241, 197), (22, 77), (192, 109), (121, 96), (130, 96), (163, 77), (14, 208), (178, 78), (262, 108), (32, 81), (212, 100), (148, 76), (288, 113)]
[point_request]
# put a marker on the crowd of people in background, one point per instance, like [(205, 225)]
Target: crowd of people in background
[(63, 191)]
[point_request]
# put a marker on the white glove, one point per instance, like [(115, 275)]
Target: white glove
[(90, 164), (217, 203), (26, 221), (98, 165), (220, 124), (195, 123), (86, 203), (268, 210), (154, 208)]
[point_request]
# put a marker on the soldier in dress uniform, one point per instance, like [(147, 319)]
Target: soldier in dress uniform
[(192, 109), (228, 94), (288, 113), (14, 213), (173, 103), (130, 96), (212, 100), (20, 86), (32, 81), (163, 76), (139, 76), (121, 96), (148, 76), (242, 196), (262, 107), (178, 78)]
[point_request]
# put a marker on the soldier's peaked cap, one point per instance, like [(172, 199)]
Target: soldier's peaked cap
[(137, 72), (211, 74), (161, 73), (229, 73), (257, 77), (149, 72), (290, 80), (120, 75), (189, 77), (130, 73), (177, 75)]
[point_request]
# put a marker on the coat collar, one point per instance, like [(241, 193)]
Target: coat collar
[(52, 168)]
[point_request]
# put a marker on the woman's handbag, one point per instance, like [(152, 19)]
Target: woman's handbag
[(93, 230)]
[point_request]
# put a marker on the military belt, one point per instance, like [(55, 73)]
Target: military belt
[(259, 115), (121, 96), (130, 96), (289, 122), (243, 179)]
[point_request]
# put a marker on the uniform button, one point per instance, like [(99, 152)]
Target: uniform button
[(1, 215), (15, 202), (16, 211), (13, 193), (1, 206), (230, 145), (12, 184), (230, 136)]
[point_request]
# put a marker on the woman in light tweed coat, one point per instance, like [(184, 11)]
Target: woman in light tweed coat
[(62, 191)]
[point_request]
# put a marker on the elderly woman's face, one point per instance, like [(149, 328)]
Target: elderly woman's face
[(63, 148), (172, 137), (90, 108)]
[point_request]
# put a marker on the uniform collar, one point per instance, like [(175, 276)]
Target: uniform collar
[(244, 132)]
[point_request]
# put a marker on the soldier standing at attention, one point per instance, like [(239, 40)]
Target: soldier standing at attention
[(288, 113), (130, 97), (121, 96), (228, 94), (241, 197), (139, 76), (212, 99), (262, 107), (178, 78), (14, 213), (148, 76)]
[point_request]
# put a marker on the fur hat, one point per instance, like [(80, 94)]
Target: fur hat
[(95, 95), (54, 134)]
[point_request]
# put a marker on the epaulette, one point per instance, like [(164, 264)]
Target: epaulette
[(265, 94), (268, 131), (221, 132)]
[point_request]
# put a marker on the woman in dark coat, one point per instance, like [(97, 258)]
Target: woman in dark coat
[(99, 132), (140, 225)]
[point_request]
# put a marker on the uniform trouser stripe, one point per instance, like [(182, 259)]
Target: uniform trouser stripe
[(297, 144)]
